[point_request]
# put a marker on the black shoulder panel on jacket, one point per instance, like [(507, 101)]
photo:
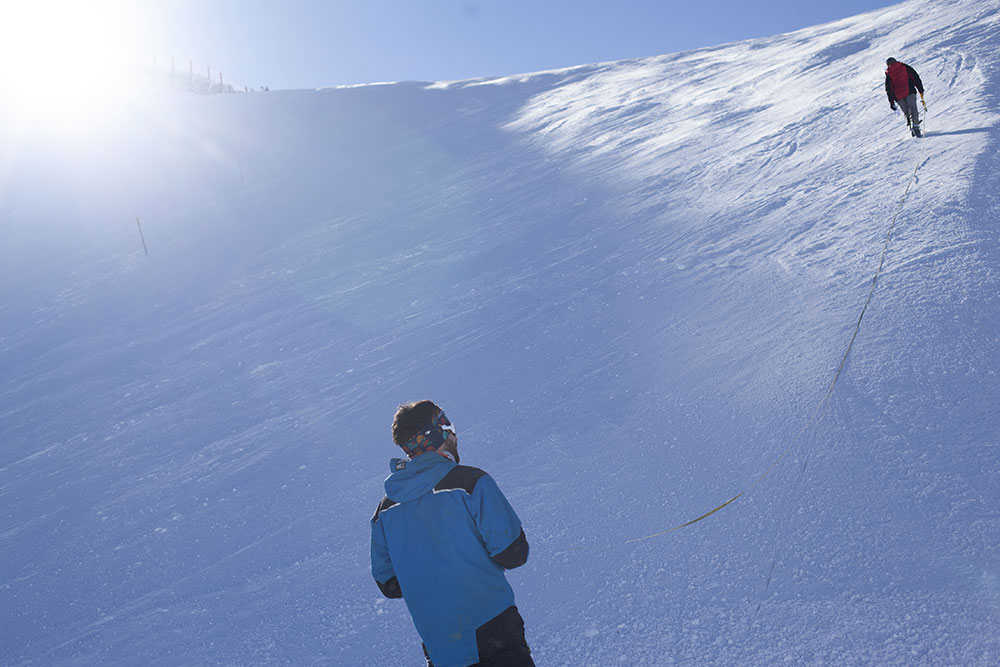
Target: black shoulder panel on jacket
[(383, 506), (515, 555), (460, 477)]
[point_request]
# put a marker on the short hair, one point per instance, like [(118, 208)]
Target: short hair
[(411, 418)]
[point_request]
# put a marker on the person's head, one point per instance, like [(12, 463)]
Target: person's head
[(889, 61), (421, 427)]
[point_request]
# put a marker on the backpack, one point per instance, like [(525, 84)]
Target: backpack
[(900, 79)]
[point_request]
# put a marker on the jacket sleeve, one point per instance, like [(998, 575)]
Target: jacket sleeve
[(515, 555), (382, 570), (888, 89), (498, 524), (915, 79)]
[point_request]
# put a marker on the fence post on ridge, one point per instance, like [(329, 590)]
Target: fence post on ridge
[(141, 236)]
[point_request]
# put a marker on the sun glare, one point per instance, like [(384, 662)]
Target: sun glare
[(59, 58)]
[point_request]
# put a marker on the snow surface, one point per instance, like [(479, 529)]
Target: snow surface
[(630, 285)]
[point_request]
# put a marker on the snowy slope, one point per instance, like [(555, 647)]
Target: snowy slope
[(630, 285)]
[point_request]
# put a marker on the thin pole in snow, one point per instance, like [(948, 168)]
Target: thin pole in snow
[(139, 225)]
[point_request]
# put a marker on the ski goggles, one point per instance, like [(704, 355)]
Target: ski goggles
[(431, 438)]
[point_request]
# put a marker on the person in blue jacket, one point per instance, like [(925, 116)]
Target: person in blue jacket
[(441, 539)]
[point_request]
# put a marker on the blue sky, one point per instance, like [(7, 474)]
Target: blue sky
[(312, 43)]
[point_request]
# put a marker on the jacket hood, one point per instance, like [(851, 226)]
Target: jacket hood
[(412, 478)]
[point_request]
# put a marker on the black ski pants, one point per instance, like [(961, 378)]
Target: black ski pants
[(501, 642)]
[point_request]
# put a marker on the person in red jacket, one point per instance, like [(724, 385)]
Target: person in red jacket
[(902, 83)]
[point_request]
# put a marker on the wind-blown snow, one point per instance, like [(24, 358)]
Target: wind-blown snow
[(630, 285)]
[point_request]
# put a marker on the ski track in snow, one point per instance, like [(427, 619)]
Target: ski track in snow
[(630, 283)]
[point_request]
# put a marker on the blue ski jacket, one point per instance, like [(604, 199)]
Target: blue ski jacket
[(441, 538)]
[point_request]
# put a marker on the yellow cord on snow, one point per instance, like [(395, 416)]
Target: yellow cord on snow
[(836, 376)]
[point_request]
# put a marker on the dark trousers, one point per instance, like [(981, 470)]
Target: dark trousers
[(501, 642), (512, 656), (910, 110)]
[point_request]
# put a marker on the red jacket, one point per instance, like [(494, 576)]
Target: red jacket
[(901, 80)]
